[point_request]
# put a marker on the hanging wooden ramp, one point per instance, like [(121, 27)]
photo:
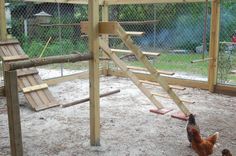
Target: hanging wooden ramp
[(36, 92), (114, 28)]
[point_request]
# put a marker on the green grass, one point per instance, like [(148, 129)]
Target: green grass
[(178, 62)]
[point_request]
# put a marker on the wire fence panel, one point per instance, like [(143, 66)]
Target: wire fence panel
[(227, 50), (174, 30)]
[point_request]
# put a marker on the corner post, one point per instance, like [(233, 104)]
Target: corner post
[(3, 26), (93, 21), (214, 45), (13, 111), (105, 18)]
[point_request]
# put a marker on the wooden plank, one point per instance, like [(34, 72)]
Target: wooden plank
[(118, 2), (144, 69), (167, 97), (5, 51), (159, 79), (3, 24), (214, 44), (201, 60), (9, 42), (26, 72), (34, 88), (130, 52), (93, 32), (233, 72), (134, 33), (157, 84), (39, 92), (130, 74), (14, 58), (13, 109)]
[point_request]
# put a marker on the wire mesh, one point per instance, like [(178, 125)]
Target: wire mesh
[(175, 30), (227, 50)]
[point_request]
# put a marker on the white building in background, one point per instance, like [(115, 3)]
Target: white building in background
[(8, 16)]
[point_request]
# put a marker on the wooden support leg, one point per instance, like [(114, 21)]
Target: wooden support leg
[(94, 73), (13, 109)]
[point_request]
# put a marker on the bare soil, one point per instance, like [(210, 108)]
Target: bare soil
[(127, 126)]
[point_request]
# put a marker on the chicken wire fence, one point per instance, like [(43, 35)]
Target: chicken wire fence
[(174, 30)]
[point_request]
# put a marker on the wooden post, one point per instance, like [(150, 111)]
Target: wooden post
[(3, 26), (13, 110), (214, 45), (105, 18), (93, 18)]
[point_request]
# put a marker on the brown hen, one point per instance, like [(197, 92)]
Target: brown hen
[(203, 147)]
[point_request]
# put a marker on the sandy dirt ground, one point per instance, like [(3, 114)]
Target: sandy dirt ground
[(127, 126)]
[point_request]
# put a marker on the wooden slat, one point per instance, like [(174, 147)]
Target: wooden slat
[(9, 42), (26, 72), (14, 58), (130, 52), (39, 92), (5, 51), (167, 97), (159, 79), (233, 72), (134, 33), (157, 84), (130, 74), (144, 69), (34, 88), (13, 109)]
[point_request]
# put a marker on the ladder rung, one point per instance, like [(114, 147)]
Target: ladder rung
[(14, 58), (129, 51), (135, 33), (144, 69), (27, 72), (167, 97), (34, 88), (157, 84)]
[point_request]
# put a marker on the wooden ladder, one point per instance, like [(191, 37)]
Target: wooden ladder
[(125, 37)]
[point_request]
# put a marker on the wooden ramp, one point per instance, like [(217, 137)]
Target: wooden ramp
[(125, 37), (35, 91)]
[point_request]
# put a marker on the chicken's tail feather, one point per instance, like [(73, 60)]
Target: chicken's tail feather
[(213, 138)]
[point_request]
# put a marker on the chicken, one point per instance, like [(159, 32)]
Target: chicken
[(203, 147), (226, 152), (191, 124)]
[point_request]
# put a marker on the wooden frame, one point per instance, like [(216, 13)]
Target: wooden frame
[(3, 26)]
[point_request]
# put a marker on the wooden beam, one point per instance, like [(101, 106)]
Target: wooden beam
[(3, 25), (105, 18), (93, 32), (34, 88), (130, 52), (101, 2), (87, 99), (214, 44), (118, 2), (13, 109), (46, 60)]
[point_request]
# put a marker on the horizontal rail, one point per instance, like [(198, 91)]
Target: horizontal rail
[(201, 60), (46, 60), (130, 52), (87, 99)]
